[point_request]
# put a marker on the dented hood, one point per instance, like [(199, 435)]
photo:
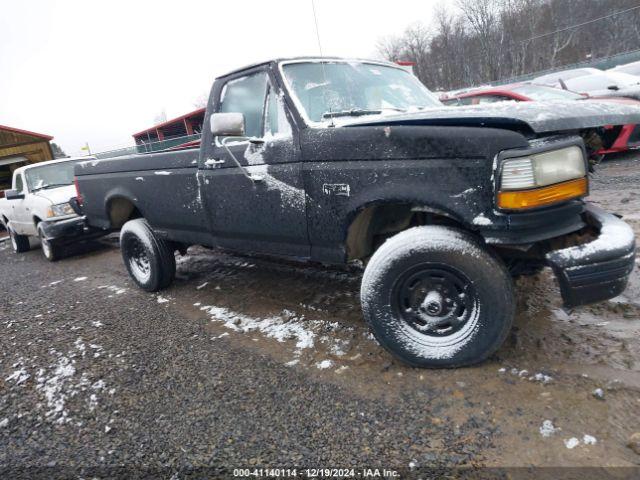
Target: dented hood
[(539, 117)]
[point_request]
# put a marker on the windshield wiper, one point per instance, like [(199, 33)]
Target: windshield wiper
[(351, 113), (355, 112), (51, 185)]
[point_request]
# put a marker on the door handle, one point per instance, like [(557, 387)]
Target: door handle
[(212, 162)]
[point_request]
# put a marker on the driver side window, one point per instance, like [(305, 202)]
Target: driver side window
[(246, 95)]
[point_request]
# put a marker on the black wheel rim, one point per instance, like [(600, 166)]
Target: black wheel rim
[(138, 259), (435, 299)]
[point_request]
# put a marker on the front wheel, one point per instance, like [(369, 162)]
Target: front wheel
[(149, 260), (50, 251), (434, 297), (19, 243)]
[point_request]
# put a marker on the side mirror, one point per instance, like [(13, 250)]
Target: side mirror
[(227, 124), (13, 195)]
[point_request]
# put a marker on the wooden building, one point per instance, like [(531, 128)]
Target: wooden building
[(184, 130), (18, 148)]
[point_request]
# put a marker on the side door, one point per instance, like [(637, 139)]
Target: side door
[(19, 215), (259, 206)]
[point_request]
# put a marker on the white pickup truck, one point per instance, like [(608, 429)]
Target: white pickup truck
[(39, 204)]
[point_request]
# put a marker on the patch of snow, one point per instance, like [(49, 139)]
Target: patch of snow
[(541, 377), (465, 193), (97, 323), (290, 196), (19, 376), (200, 287), (161, 299), (589, 440), (162, 172), (547, 429), (55, 283), (56, 389), (613, 235), (275, 327), (79, 279), (324, 364), (598, 393), (113, 288), (4, 422), (482, 220), (571, 443), (293, 362), (140, 179)]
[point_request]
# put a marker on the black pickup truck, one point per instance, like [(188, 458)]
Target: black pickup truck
[(336, 161)]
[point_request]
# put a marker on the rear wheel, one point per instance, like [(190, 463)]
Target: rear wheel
[(50, 251), (149, 260), (19, 243), (434, 297)]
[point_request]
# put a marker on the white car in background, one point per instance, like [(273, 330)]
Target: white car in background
[(594, 82), (38, 205), (553, 79)]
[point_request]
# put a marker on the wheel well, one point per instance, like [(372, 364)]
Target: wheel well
[(121, 210), (36, 221), (375, 223)]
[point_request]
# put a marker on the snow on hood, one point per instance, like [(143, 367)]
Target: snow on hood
[(540, 117), (58, 195)]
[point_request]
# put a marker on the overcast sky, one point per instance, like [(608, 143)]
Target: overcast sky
[(100, 71)]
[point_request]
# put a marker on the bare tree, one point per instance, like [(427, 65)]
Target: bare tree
[(491, 40), (160, 117), (201, 100)]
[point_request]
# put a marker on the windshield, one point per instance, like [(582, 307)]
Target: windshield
[(331, 89), (50, 176), (541, 94)]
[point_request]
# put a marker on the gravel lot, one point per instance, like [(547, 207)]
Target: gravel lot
[(246, 362)]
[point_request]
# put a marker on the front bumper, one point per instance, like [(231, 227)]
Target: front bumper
[(70, 230), (597, 270)]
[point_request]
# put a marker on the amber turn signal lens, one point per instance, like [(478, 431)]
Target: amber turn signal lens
[(538, 197)]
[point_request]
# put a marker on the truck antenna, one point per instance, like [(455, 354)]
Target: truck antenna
[(324, 71)]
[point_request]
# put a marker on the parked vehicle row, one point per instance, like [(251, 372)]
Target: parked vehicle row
[(334, 161), (616, 138)]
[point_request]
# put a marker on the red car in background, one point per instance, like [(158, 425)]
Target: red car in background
[(618, 138)]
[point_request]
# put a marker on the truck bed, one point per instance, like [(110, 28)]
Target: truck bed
[(163, 186)]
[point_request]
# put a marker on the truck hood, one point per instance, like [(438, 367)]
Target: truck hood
[(539, 117), (58, 195)]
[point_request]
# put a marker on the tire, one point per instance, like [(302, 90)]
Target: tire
[(149, 260), (50, 251), (19, 243), (435, 298)]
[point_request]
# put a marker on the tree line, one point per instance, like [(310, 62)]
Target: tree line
[(489, 40)]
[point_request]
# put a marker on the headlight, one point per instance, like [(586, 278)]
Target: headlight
[(543, 179), (60, 210), (543, 169)]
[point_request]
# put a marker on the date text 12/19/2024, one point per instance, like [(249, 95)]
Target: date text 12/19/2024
[(315, 473)]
